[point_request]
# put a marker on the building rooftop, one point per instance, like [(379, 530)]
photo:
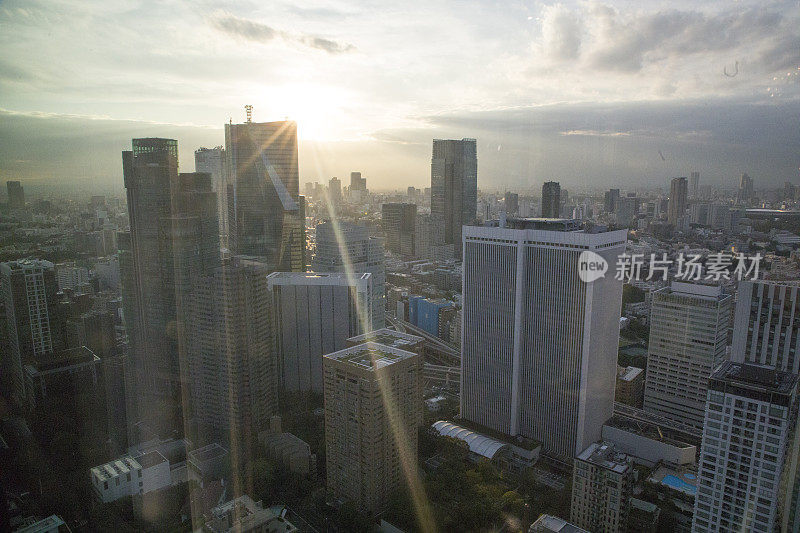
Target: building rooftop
[(603, 454), (387, 337), (552, 524), (478, 444), (647, 430), (207, 453), (63, 358), (316, 278), (681, 480), (763, 379), (629, 373), (51, 523), (370, 355), (150, 459), (112, 469), (551, 224)]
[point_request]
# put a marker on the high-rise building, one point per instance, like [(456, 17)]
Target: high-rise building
[(34, 327), (688, 336), (335, 190), (551, 199), (694, 184), (610, 200), (539, 345), (269, 213), (678, 192), (16, 195), (602, 480), (357, 183), (745, 193), (511, 203), (747, 479), (429, 239), (399, 227), (315, 314), (627, 210), (766, 327), (232, 362), (213, 161), (70, 275), (345, 247), (373, 408), (454, 186)]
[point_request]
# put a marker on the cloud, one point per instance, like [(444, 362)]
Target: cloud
[(561, 32), (256, 31)]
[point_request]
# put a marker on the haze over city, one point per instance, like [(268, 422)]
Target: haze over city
[(581, 92)]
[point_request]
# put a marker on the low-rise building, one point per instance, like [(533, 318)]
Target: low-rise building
[(507, 453), (208, 463), (648, 444), (243, 515), (552, 524), (128, 476), (630, 386)]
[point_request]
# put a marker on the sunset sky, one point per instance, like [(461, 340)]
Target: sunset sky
[(587, 93)]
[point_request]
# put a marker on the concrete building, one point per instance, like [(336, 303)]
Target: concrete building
[(208, 463), (688, 337), (424, 313), (33, 323), (399, 228), (128, 476), (538, 349), (627, 209), (429, 239), (551, 199), (630, 386), (70, 276), (649, 444), (292, 452), (243, 515), (315, 314), (373, 408), (642, 517), (62, 377), (213, 161), (357, 183), (602, 482), (454, 187), (610, 200), (511, 203), (745, 194), (748, 472), (268, 214), (391, 338), (348, 248), (694, 184), (678, 193), (766, 328)]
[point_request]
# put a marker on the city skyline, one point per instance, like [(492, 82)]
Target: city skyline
[(659, 83)]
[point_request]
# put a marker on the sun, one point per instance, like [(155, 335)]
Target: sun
[(319, 111)]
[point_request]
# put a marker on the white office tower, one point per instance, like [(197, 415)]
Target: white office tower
[(688, 336), (345, 247), (748, 460), (314, 314), (212, 161), (767, 325), (539, 345)]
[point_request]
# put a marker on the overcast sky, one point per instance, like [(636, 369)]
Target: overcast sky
[(587, 93)]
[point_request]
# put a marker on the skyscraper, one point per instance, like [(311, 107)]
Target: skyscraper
[(345, 247), (373, 408), (694, 184), (315, 314), (511, 203), (539, 345), (357, 183), (399, 227), (34, 326), (147, 274), (610, 200), (269, 214), (232, 361), (551, 199), (454, 186), (747, 479), (213, 161), (746, 192), (676, 209), (335, 190), (688, 336), (16, 195), (767, 324)]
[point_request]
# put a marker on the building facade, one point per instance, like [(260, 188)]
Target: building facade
[(538, 344), (373, 408), (454, 186), (767, 324), (315, 314), (399, 222), (678, 194), (688, 337), (551, 199), (348, 248), (602, 481), (747, 479), (214, 162)]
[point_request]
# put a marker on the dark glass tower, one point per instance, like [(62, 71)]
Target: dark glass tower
[(454, 186)]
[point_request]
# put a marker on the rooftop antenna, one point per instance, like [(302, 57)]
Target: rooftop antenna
[(249, 110)]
